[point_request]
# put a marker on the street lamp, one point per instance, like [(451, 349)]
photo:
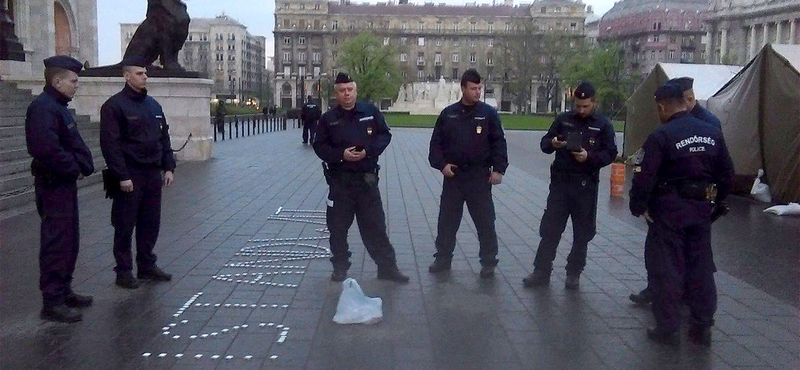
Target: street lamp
[(319, 87)]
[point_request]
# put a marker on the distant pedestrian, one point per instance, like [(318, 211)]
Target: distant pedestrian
[(349, 140), (684, 168), (310, 114), (583, 142), (60, 158), (219, 116), (134, 137), (469, 147)]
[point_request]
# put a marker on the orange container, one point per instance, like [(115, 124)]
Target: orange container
[(617, 179)]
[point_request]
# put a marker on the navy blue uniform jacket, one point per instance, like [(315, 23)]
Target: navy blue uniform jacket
[(469, 138), (706, 116), (339, 129), (598, 141), (53, 139), (681, 149), (134, 132)]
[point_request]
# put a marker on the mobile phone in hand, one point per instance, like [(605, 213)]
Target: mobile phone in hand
[(358, 148)]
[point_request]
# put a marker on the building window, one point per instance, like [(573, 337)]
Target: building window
[(302, 6), (335, 25), (404, 26), (403, 57), (573, 26), (403, 40), (544, 9), (455, 27), (439, 42), (334, 55), (489, 60), (301, 40), (456, 43), (287, 71), (490, 27), (287, 56), (421, 74), (421, 26), (316, 6), (317, 57), (508, 27), (335, 41), (690, 55), (652, 55), (405, 75), (472, 42), (437, 59), (287, 40), (656, 38), (455, 74), (420, 59), (473, 27), (490, 43), (420, 41), (385, 41), (370, 25), (438, 26), (673, 39), (672, 54), (351, 26), (301, 71), (455, 58), (473, 58)]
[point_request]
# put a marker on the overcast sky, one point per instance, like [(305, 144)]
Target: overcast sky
[(257, 15)]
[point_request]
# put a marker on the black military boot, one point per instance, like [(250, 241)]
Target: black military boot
[(76, 300), (153, 273), (127, 281), (392, 273), (643, 298), (340, 271), (669, 338), (61, 313), (700, 335), (536, 278), (487, 271), (439, 265), (573, 281)]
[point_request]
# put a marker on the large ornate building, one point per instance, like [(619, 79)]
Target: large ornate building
[(655, 31), (433, 41), (47, 28), (223, 50), (737, 29)]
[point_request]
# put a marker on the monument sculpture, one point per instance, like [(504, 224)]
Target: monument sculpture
[(428, 97)]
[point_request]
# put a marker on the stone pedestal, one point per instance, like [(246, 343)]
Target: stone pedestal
[(186, 103)]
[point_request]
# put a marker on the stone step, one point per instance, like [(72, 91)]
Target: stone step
[(12, 121), (15, 166), (25, 195), (9, 131), (13, 154), (90, 136), (14, 102), (15, 182), (13, 112)]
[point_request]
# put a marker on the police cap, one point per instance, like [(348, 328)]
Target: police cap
[(135, 61), (64, 62), (343, 78), (684, 82), (584, 91), (668, 91)]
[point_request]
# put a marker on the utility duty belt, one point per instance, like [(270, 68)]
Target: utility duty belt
[(356, 178), (689, 189)]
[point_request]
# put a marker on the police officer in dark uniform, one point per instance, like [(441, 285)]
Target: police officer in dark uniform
[(310, 115), (584, 142), (60, 158), (469, 147), (349, 140), (134, 137), (685, 167), (686, 84)]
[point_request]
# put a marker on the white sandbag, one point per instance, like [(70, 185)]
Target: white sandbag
[(760, 190), (789, 209), (356, 308)]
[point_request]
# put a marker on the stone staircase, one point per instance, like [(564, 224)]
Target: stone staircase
[(16, 182)]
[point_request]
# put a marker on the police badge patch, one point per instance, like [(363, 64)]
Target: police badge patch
[(369, 130), (639, 158), (591, 141), (479, 129)]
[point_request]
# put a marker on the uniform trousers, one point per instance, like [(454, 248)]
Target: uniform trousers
[(139, 210), (679, 260), (476, 192), (309, 128), (57, 205), (352, 197), (572, 196)]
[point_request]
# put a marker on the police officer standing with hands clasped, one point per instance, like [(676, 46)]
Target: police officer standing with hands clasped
[(349, 140), (469, 148), (310, 114), (134, 137), (60, 158), (583, 141), (685, 167)]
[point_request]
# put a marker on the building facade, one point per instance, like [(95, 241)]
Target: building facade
[(221, 49), (738, 29), (656, 31), (432, 41), (47, 28)]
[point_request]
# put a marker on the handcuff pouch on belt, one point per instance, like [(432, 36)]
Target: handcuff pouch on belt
[(690, 189), (368, 179)]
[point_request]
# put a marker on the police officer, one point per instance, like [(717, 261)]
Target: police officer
[(60, 157), (134, 138), (310, 114), (584, 142), (349, 140), (685, 167), (469, 148), (686, 85)]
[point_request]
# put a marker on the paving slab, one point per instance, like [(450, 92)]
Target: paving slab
[(243, 234)]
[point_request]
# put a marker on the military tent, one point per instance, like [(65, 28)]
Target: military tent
[(760, 113), (642, 116)]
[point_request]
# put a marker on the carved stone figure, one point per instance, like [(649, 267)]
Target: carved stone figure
[(401, 94), (162, 33)]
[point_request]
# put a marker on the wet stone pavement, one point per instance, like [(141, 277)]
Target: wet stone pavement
[(243, 235)]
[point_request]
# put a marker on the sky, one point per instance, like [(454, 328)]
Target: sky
[(257, 15)]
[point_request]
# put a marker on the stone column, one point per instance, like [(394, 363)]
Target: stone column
[(752, 44), (778, 31), (765, 35), (793, 31), (723, 44), (709, 47)]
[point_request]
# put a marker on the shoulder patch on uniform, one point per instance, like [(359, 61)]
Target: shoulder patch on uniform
[(480, 118), (594, 128), (452, 116), (367, 118), (568, 124), (639, 158), (70, 125), (334, 123)]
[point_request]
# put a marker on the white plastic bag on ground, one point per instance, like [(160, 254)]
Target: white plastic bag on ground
[(356, 308), (760, 190), (789, 209)]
